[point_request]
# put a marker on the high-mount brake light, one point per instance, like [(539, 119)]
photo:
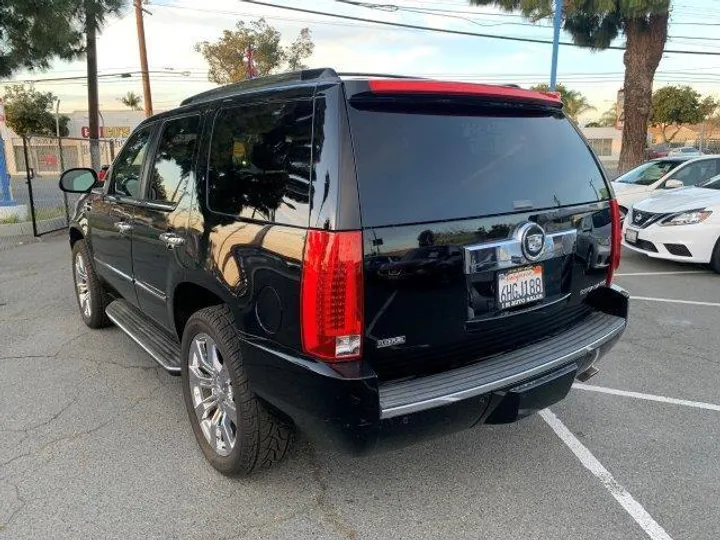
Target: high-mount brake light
[(421, 86)]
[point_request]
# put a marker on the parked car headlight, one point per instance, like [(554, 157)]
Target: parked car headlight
[(603, 241), (688, 218)]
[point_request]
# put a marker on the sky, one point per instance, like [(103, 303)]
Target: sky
[(175, 26)]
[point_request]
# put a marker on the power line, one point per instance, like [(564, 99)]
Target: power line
[(515, 15), (122, 75), (393, 8), (359, 25), (460, 32)]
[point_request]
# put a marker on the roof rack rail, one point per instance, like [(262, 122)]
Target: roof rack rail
[(270, 81), (385, 75)]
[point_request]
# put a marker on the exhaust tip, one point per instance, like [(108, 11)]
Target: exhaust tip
[(588, 374)]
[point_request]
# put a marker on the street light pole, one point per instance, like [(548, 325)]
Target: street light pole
[(557, 21)]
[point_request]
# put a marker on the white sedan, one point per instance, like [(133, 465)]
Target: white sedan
[(681, 225), (661, 174), (685, 151)]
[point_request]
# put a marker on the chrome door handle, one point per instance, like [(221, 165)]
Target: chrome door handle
[(172, 240), (123, 226)]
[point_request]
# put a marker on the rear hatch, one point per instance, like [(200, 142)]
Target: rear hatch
[(478, 231)]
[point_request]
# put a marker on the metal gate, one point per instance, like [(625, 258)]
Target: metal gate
[(43, 159)]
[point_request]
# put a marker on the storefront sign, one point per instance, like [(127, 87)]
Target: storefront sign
[(108, 132)]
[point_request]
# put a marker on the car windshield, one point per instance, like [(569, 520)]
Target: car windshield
[(648, 173)]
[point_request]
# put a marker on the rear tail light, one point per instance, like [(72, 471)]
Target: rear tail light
[(615, 240), (331, 305)]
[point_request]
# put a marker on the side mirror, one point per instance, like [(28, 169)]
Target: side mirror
[(78, 180), (674, 184)]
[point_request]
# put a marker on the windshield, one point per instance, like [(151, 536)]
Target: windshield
[(648, 173)]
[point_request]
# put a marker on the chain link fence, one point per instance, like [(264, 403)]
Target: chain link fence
[(32, 203)]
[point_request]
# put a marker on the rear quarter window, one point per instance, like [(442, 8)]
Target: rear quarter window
[(424, 164), (260, 162)]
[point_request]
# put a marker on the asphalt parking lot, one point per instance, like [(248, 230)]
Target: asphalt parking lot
[(94, 441)]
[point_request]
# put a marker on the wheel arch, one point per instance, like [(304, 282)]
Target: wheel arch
[(75, 235), (189, 297)]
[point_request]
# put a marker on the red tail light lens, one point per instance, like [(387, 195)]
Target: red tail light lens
[(331, 306), (615, 240)]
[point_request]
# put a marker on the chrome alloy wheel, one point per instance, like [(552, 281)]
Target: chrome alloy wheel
[(81, 284), (212, 394)]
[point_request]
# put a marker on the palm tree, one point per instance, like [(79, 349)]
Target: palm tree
[(595, 24), (574, 103), (609, 117), (132, 100)]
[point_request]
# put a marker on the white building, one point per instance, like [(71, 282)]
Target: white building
[(44, 152), (606, 142)]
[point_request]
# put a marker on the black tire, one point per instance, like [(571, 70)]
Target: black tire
[(715, 259), (262, 437), (97, 298)]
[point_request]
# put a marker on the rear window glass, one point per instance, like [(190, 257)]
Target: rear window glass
[(418, 164), (260, 162)]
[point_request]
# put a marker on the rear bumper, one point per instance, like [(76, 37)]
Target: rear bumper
[(354, 413)]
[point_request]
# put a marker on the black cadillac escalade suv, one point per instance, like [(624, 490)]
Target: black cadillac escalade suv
[(370, 259)]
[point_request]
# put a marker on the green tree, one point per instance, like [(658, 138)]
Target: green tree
[(131, 100), (29, 112), (226, 55), (595, 24), (574, 103), (673, 106), (609, 117), (34, 33)]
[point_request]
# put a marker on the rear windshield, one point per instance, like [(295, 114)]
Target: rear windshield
[(420, 164)]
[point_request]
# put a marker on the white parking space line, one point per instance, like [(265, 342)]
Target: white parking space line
[(648, 397), (651, 527), (673, 301), (663, 273)]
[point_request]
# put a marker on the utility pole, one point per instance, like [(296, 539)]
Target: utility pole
[(92, 76), (147, 96), (557, 20)]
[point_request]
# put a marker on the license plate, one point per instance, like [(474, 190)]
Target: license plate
[(631, 235), (521, 286)]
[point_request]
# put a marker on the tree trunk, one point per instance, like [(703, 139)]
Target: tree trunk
[(645, 41), (671, 137)]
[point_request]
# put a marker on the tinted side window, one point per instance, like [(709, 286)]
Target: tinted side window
[(175, 159), (260, 162), (698, 172), (127, 168)]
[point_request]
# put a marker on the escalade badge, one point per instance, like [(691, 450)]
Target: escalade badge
[(532, 241)]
